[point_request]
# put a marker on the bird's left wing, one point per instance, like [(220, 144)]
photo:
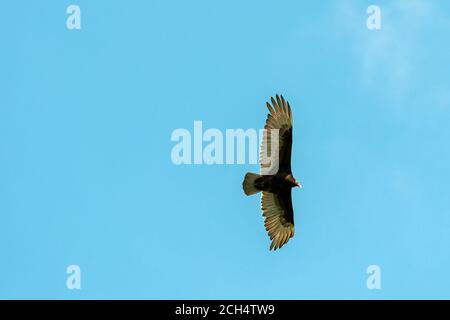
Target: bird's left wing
[(280, 119), (278, 217)]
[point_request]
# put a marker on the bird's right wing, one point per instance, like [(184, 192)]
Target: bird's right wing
[(278, 217), (279, 118)]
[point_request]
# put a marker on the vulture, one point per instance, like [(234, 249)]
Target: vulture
[(275, 186)]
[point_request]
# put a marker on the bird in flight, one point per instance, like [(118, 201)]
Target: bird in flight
[(275, 186)]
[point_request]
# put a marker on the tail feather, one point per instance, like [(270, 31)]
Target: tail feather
[(249, 183)]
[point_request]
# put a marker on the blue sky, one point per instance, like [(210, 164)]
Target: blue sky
[(86, 176)]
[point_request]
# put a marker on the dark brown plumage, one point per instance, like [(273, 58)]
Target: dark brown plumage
[(276, 201)]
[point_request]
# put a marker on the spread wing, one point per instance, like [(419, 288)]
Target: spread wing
[(280, 118), (278, 217)]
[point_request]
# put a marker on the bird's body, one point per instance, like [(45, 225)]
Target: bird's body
[(278, 183), (276, 201)]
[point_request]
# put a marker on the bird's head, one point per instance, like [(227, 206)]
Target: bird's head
[(293, 182)]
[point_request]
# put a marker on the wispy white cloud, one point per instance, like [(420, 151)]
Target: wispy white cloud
[(390, 58)]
